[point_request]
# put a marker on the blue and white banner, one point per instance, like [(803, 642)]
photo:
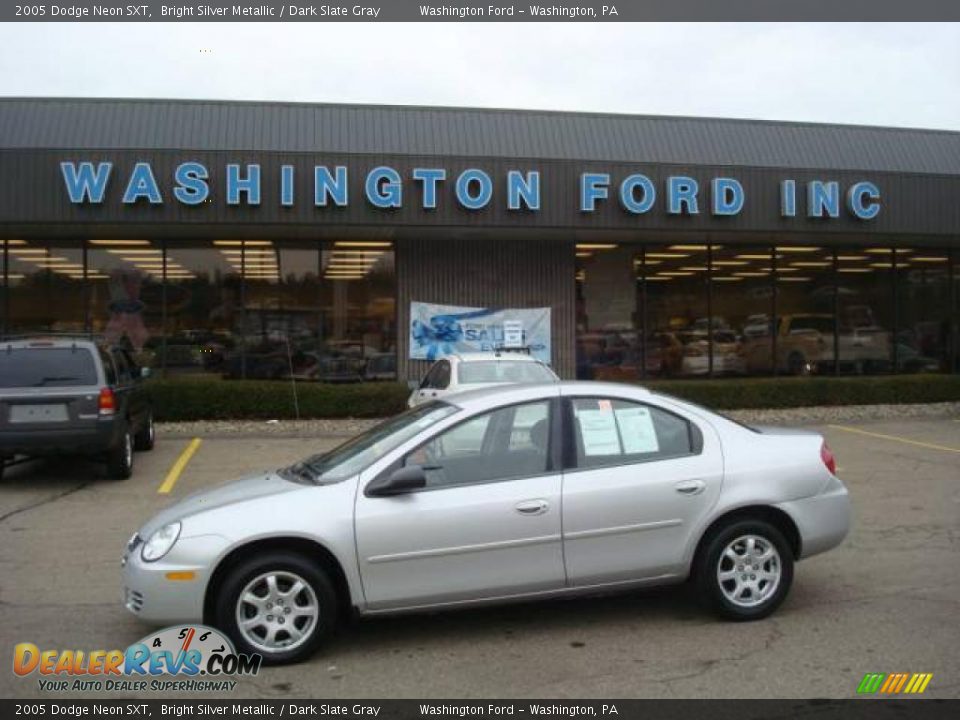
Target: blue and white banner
[(438, 330)]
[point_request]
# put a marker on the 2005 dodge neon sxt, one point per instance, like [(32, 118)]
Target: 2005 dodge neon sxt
[(492, 495)]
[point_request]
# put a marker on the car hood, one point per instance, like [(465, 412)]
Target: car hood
[(237, 491)]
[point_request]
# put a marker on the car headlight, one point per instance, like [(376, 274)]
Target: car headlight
[(160, 542)]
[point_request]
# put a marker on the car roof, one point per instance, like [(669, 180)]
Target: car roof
[(24, 342), (494, 396), (490, 356)]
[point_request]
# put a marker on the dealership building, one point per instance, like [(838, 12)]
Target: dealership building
[(353, 243)]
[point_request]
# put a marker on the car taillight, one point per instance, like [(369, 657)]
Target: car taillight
[(107, 402), (826, 454)]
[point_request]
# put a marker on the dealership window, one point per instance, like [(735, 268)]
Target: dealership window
[(675, 310), (608, 340), (742, 303), (125, 295), (358, 334), (3, 285), (203, 308), (281, 312), (924, 333), (806, 311), (865, 306), (46, 289)]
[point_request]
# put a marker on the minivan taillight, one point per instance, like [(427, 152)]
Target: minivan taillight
[(826, 454), (107, 402)]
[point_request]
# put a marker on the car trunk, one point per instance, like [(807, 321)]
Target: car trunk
[(48, 408)]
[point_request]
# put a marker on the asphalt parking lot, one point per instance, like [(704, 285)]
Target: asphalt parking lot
[(888, 600)]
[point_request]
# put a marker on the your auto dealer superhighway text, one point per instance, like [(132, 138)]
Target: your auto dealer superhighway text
[(291, 11)]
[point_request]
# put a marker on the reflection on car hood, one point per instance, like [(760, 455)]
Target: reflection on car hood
[(236, 491)]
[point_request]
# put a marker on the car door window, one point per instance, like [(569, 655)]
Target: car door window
[(506, 443), (618, 432), (442, 379), (123, 368), (429, 380), (109, 369)]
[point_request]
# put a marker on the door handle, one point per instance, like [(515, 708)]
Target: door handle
[(532, 507), (691, 487)]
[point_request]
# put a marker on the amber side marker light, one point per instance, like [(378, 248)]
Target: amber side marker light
[(184, 575)]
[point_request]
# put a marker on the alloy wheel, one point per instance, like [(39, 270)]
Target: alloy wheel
[(277, 611), (749, 571)]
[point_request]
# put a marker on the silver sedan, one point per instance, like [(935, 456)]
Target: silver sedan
[(509, 493)]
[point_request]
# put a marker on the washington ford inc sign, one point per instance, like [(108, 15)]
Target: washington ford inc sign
[(385, 188)]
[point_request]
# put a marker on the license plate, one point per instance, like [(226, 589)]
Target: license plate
[(38, 413)]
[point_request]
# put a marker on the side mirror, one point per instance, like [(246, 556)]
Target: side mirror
[(399, 482), (144, 373)]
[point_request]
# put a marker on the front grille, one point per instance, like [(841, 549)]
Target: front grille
[(133, 600)]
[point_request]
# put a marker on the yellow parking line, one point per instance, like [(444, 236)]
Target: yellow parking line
[(895, 438), (178, 467)]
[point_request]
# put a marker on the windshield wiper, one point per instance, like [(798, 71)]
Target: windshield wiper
[(54, 378), (304, 471)]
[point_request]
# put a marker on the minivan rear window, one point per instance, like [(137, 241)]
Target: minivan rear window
[(46, 367)]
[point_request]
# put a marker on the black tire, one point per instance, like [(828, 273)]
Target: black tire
[(250, 570), (145, 439), (120, 458), (796, 364), (710, 589)]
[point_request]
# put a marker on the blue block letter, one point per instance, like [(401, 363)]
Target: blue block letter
[(682, 193), (485, 189), (325, 185), (593, 187), (863, 200), (84, 182), (628, 194), (142, 185), (525, 189), (192, 188)]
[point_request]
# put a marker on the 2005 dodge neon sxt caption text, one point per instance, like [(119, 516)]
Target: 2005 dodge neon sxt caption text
[(491, 495)]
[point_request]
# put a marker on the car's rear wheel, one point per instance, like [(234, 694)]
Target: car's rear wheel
[(120, 458), (145, 439), (279, 605), (745, 570)]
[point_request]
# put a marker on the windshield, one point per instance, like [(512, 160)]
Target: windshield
[(46, 367), (503, 371), (358, 453)]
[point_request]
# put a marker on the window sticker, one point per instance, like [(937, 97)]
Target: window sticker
[(605, 405), (637, 430), (599, 432)]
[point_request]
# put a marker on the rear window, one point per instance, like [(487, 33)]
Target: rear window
[(46, 367), (502, 371)]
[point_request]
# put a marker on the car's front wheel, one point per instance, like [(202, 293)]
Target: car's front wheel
[(279, 605), (745, 570)]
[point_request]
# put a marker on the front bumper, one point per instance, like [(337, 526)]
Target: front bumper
[(157, 592), (823, 520)]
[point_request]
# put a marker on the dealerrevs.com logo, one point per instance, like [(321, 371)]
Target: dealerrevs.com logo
[(184, 658)]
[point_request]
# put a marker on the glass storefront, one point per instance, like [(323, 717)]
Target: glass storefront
[(713, 310), (326, 311), (45, 287), (255, 309)]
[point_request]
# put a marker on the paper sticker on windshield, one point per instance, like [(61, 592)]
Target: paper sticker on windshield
[(605, 405), (599, 432), (637, 430)]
